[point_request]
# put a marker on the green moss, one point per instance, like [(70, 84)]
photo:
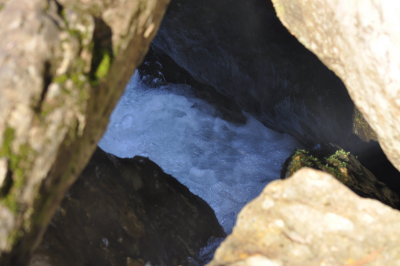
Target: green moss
[(18, 161), (347, 169), (302, 158), (75, 33), (8, 137), (14, 236), (103, 67), (61, 79), (10, 202), (340, 164), (336, 164)]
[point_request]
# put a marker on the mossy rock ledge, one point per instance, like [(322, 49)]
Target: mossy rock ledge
[(347, 169)]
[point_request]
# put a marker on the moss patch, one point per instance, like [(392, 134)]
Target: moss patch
[(104, 66), (336, 164), (18, 161), (8, 137)]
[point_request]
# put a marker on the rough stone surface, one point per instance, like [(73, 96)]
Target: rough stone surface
[(359, 41), (63, 65), (127, 212), (312, 219), (241, 49)]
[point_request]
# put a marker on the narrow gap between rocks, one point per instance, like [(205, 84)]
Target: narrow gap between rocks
[(221, 153), (225, 163)]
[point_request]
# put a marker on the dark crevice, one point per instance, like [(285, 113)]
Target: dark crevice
[(47, 79), (376, 161), (102, 46), (59, 7), (7, 183)]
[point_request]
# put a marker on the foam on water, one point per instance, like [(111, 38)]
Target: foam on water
[(225, 164)]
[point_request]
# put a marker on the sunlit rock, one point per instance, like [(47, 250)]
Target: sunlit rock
[(63, 65), (312, 219), (360, 41)]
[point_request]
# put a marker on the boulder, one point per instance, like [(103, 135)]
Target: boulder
[(359, 41), (312, 219), (63, 66), (241, 49), (127, 212)]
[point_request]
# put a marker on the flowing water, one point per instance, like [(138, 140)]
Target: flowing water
[(224, 163)]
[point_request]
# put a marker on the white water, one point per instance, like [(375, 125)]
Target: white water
[(225, 164)]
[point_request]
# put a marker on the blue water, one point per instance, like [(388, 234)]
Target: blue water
[(224, 163)]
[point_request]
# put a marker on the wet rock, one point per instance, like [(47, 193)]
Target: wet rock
[(127, 212), (359, 41), (159, 69), (312, 219), (347, 169), (240, 49)]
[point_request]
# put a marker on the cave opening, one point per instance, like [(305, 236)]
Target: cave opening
[(213, 139)]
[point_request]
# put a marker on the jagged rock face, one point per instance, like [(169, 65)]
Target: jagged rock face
[(241, 49), (63, 66), (312, 219), (359, 41), (127, 212)]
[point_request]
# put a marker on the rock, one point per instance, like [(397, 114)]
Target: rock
[(347, 169), (361, 127), (63, 66), (312, 219), (359, 41), (241, 49), (127, 212), (159, 69)]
